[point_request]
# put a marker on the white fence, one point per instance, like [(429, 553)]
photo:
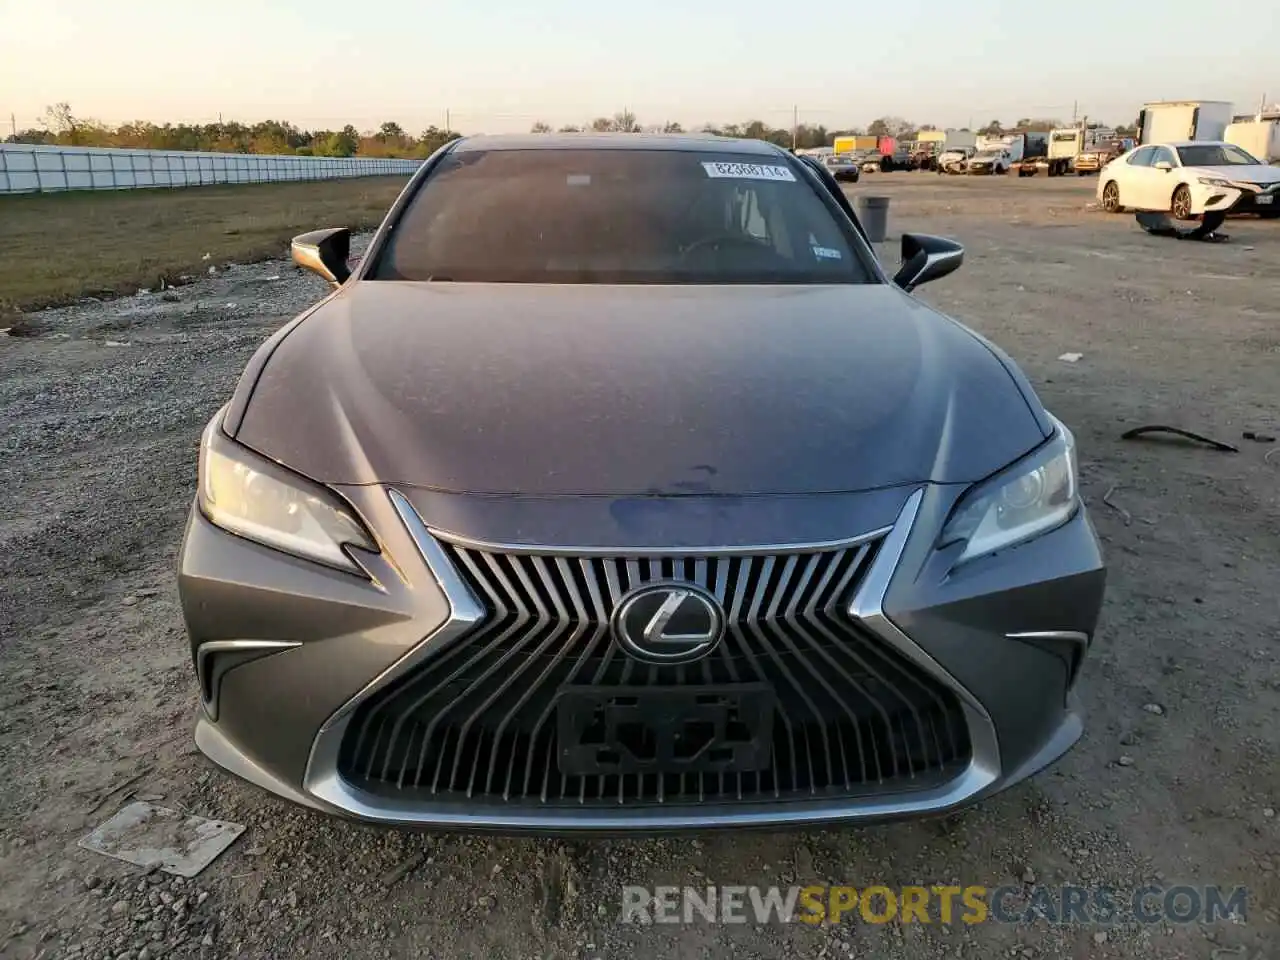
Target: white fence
[(27, 168)]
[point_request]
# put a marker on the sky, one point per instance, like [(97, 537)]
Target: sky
[(499, 65)]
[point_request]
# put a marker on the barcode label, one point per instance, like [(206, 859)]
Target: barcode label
[(748, 171)]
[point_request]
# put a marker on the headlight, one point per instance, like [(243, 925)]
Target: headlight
[(249, 495), (1033, 496), (1214, 182)]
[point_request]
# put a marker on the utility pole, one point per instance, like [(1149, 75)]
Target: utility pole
[(1075, 111), (795, 126), (13, 124), (448, 126)]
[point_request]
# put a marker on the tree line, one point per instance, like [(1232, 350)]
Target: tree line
[(804, 135), (63, 126)]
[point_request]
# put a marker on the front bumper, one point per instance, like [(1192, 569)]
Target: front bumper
[(1206, 199), (1244, 198), (277, 715)]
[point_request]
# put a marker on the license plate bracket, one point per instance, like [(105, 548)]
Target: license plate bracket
[(621, 730)]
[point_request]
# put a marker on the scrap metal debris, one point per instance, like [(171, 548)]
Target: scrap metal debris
[(1258, 437), (403, 869), (124, 785), (1070, 357), (1161, 225), (1106, 498), (1138, 432), (160, 838)]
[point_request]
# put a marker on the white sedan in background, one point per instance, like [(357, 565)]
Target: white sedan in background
[(1190, 178)]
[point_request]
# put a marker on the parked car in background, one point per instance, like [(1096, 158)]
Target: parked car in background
[(842, 166), (990, 160), (1189, 178), (1097, 155), (899, 159)]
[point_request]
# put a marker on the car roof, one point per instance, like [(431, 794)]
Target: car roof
[(702, 143), (1190, 143)]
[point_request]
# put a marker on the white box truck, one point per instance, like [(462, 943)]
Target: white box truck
[(1261, 138), (959, 140), (1054, 153), (1163, 121)]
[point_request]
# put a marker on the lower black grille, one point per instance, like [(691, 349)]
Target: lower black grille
[(484, 718)]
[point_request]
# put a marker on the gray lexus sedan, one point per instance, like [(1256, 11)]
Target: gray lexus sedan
[(619, 487)]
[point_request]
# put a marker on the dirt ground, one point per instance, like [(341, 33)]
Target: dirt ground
[(62, 246), (1176, 781)]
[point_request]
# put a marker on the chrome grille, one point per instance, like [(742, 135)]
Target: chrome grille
[(478, 718)]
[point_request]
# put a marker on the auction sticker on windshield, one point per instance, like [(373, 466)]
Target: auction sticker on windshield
[(747, 171)]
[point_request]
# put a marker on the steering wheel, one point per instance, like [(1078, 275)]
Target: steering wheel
[(724, 239)]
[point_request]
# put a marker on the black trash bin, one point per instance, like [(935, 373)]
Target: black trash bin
[(874, 214)]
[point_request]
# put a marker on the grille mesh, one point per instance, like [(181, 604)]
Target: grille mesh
[(478, 719)]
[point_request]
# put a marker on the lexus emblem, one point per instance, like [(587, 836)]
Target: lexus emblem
[(668, 623)]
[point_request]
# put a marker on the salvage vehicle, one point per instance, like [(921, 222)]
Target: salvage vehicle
[(1190, 178), (990, 160), (955, 160), (620, 487), (1002, 153), (1098, 155)]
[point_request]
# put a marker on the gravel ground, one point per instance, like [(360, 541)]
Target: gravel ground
[(1176, 780)]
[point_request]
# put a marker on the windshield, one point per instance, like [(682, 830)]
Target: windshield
[(619, 216), (987, 154), (1214, 155)]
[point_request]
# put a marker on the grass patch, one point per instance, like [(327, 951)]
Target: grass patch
[(62, 246)]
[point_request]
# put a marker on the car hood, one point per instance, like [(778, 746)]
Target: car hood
[(1241, 173), (635, 390)]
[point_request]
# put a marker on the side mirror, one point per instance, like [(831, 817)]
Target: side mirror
[(926, 258), (324, 252), (1164, 165)]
